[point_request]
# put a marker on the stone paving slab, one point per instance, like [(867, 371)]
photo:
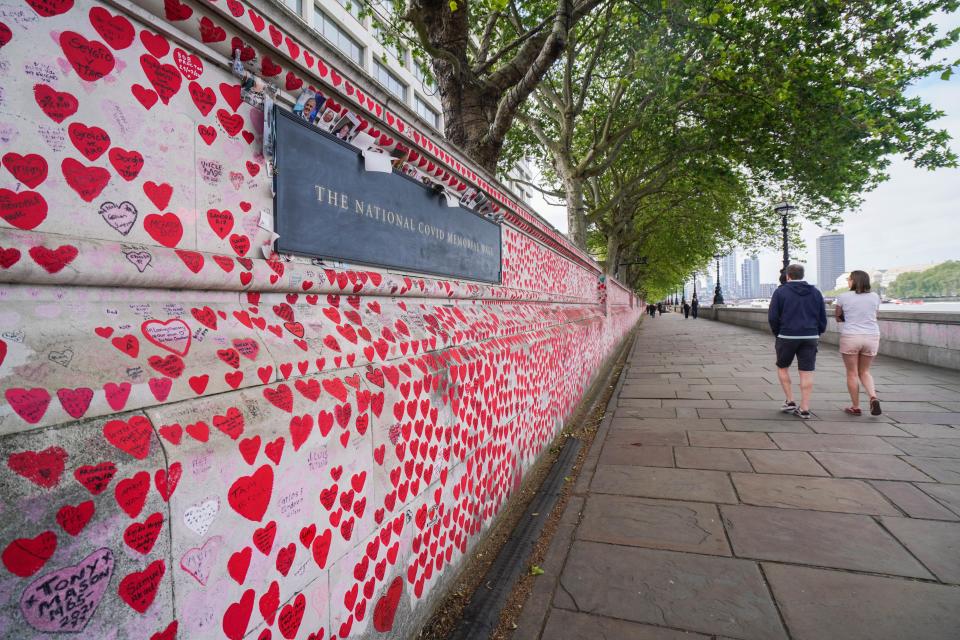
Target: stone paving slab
[(654, 524), (912, 501), (936, 544), (645, 437), (768, 426), (567, 625), (868, 465), (710, 595), (731, 439), (929, 417), (948, 494), (644, 456), (833, 443), (665, 424), (798, 463), (711, 458), (930, 430), (649, 412), (835, 540), (818, 494), (670, 484), (819, 604), (946, 470), (929, 447), (857, 428)]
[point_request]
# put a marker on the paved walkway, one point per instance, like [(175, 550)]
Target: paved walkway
[(703, 512)]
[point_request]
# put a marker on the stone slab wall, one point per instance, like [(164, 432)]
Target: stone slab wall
[(198, 442), (928, 338)]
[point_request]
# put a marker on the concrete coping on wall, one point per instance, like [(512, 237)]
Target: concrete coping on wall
[(929, 317), (921, 336)]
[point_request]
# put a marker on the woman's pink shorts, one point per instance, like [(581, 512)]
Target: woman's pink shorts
[(854, 344)]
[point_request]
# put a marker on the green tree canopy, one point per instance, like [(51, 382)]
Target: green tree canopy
[(940, 281)]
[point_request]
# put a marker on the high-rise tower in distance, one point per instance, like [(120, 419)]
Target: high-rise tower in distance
[(830, 259), (750, 277)]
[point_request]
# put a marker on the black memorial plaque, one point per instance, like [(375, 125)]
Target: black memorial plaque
[(328, 206)]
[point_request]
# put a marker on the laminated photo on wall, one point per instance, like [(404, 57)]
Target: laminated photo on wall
[(309, 105), (328, 115), (347, 126)]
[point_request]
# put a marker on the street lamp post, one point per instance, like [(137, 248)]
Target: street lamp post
[(784, 209), (717, 292)]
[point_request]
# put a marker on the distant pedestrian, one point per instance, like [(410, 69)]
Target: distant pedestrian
[(797, 317), (651, 310), (686, 309), (695, 307), (660, 308), (856, 312)]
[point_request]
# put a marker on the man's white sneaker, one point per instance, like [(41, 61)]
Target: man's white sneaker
[(788, 406), (805, 415)]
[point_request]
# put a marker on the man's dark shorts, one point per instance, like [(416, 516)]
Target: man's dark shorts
[(804, 350)]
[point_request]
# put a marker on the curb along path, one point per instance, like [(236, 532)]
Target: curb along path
[(703, 512)]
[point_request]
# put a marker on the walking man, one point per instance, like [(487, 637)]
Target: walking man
[(695, 307), (797, 317), (686, 309)]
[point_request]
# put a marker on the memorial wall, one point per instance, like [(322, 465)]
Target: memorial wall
[(248, 391)]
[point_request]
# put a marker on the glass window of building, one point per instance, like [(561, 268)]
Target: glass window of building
[(390, 82), (352, 7), (395, 50), (294, 5), (426, 112), (339, 38)]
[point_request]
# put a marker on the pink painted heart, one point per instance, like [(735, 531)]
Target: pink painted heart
[(199, 561), (77, 588)]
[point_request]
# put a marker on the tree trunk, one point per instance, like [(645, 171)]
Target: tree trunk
[(576, 212), (467, 116), (613, 254)]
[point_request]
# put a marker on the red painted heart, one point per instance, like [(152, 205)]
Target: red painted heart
[(24, 210), (30, 169), (43, 468), (250, 495), (116, 30), (91, 59), (88, 182), (165, 78)]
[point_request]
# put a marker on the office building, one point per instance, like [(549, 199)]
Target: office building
[(728, 276), (750, 278), (767, 289), (359, 40), (830, 259)]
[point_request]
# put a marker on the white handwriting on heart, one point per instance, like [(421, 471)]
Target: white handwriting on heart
[(119, 216), (198, 561), (199, 517)]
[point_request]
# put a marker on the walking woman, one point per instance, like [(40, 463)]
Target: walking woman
[(856, 312)]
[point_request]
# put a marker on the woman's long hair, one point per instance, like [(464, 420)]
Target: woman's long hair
[(861, 281)]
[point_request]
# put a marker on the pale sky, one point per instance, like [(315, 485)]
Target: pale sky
[(912, 218)]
